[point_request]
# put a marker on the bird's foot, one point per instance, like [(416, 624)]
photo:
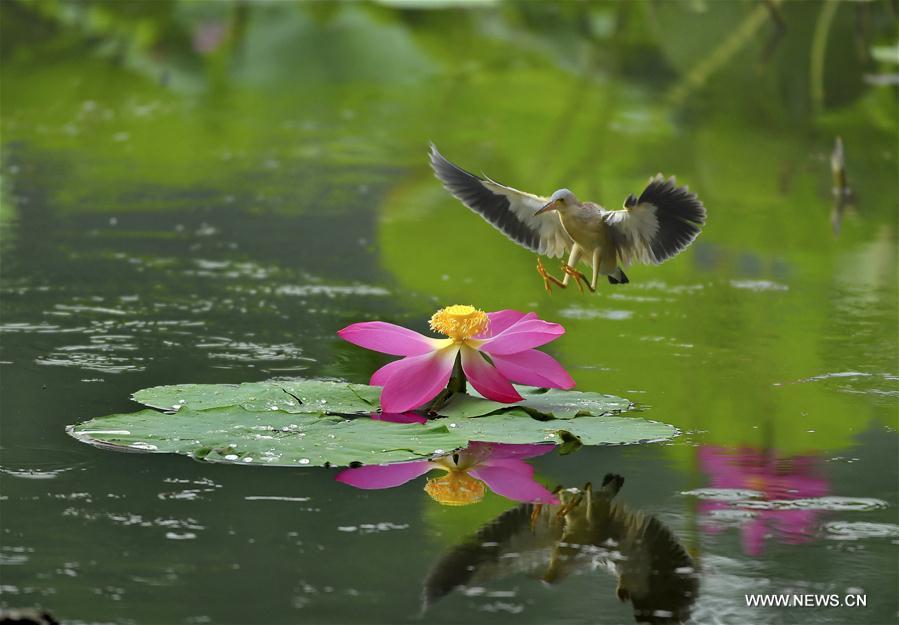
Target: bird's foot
[(548, 280), (579, 278), (570, 505)]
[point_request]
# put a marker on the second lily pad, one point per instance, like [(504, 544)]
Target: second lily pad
[(518, 427), (540, 403)]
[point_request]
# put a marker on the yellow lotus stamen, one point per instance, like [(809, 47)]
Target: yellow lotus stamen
[(459, 322), (757, 482), (456, 488)]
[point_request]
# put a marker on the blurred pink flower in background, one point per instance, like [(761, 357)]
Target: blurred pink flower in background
[(771, 479), (499, 466), (496, 349), (209, 36)]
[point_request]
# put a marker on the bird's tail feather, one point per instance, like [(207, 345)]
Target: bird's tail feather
[(680, 216), (618, 277), (611, 484)]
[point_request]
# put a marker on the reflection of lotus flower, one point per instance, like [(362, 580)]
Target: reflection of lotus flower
[(209, 36), (494, 347), (498, 465), (774, 479), (456, 488)]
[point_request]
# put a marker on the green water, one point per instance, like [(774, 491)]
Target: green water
[(207, 192)]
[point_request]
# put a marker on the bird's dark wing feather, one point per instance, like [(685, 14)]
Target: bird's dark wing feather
[(664, 221), (508, 210), (505, 546)]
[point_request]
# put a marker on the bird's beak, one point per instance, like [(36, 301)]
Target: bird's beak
[(549, 206)]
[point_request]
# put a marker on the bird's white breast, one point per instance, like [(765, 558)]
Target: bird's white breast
[(585, 227)]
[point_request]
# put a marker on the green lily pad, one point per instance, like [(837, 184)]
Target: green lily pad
[(570, 404), (518, 427), (540, 403), (327, 423), (275, 438), (465, 406), (292, 396)]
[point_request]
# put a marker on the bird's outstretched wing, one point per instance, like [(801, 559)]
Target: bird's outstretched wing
[(655, 571), (661, 223), (508, 210), (510, 544)]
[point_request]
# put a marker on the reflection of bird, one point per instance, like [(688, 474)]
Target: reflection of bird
[(586, 529), (650, 229)]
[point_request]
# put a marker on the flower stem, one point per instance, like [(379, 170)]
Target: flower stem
[(455, 385)]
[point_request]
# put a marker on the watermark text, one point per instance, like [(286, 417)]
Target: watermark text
[(808, 600)]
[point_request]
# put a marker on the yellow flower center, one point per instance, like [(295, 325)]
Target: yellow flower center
[(757, 482), (456, 488), (459, 322)]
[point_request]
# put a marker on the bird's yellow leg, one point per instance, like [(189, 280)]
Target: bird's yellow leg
[(579, 278), (549, 280), (572, 261), (570, 505), (535, 515), (571, 271), (588, 491), (596, 264)]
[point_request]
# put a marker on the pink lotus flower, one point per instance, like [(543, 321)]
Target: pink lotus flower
[(400, 417), (496, 349), (498, 465), (775, 481)]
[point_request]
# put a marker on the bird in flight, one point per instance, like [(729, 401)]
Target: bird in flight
[(650, 229)]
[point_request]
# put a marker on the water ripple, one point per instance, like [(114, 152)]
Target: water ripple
[(331, 290), (587, 313), (758, 285), (859, 530)]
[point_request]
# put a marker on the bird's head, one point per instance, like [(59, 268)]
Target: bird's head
[(560, 200)]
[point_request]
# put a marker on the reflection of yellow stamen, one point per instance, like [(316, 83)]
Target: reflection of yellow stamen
[(456, 488), (459, 322), (757, 482)]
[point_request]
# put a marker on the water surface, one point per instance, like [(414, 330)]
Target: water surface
[(205, 192)]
